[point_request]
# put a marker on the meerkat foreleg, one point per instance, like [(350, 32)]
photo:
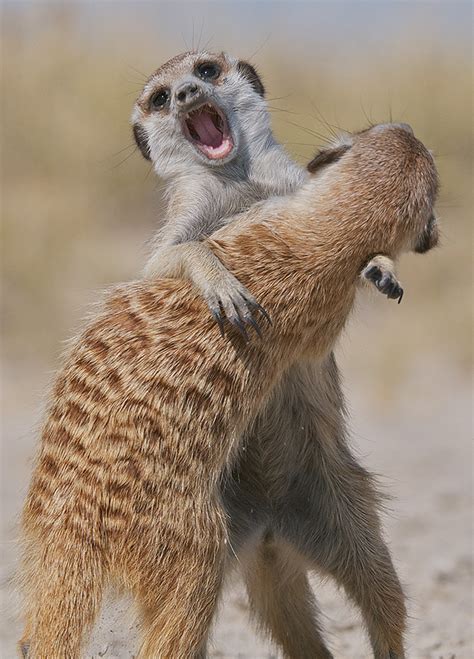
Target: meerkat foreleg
[(225, 296), (380, 271)]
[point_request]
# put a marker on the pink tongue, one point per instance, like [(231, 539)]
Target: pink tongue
[(208, 133)]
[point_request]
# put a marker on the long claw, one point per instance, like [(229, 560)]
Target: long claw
[(251, 321), (237, 323), (400, 297), (218, 318), (258, 307)]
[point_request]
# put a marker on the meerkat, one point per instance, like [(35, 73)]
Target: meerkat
[(203, 122), (148, 411)]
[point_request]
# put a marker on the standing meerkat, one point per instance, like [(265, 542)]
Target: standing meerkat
[(148, 409), (203, 122)]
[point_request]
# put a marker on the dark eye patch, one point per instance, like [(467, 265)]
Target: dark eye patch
[(141, 139), (159, 99), (326, 157), (207, 71)]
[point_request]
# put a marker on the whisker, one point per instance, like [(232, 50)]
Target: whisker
[(131, 81), (311, 144), (148, 172), (279, 98), (200, 33), (135, 92), (184, 40), (313, 133), (143, 76), (444, 154), (125, 159), (266, 40), (259, 110), (117, 153), (302, 156), (208, 43), (333, 128), (272, 107), (371, 124)]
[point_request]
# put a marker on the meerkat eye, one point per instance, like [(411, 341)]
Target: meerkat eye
[(207, 71), (159, 99)]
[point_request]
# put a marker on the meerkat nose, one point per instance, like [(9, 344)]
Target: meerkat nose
[(185, 92)]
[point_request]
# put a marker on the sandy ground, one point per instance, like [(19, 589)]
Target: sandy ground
[(421, 445)]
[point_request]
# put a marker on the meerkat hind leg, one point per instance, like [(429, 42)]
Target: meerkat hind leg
[(335, 525), (328, 508), (177, 622), (281, 599), (178, 587), (64, 600)]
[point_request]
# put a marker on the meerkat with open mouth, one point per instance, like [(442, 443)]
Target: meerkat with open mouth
[(203, 122)]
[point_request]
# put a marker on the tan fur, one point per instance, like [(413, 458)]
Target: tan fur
[(147, 411)]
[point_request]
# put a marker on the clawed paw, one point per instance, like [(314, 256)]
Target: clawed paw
[(385, 281), (233, 302)]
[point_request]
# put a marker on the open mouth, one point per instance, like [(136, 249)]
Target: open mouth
[(207, 128)]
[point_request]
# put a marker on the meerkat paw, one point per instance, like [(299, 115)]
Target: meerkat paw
[(225, 296), (230, 300), (380, 272)]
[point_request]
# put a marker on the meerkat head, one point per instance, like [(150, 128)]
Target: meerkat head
[(200, 108), (409, 190)]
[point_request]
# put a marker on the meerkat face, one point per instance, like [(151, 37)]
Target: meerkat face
[(413, 191), (199, 108)]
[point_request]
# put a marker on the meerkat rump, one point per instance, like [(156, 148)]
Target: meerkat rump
[(148, 411), (203, 122)]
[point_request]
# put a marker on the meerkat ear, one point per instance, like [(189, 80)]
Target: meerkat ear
[(250, 73), (326, 157), (141, 139)]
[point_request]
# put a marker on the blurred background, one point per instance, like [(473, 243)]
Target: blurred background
[(79, 204)]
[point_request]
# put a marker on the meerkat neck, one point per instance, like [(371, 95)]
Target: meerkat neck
[(204, 198), (274, 170), (265, 161)]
